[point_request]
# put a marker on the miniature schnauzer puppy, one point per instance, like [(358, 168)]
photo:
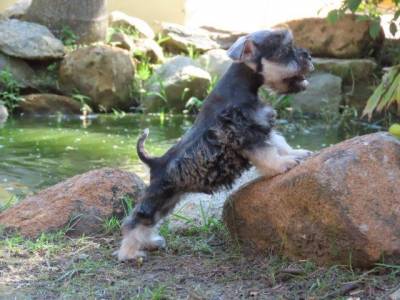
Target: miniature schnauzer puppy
[(233, 131)]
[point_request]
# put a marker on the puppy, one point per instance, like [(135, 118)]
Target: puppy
[(233, 131)]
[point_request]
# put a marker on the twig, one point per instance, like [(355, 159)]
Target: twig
[(343, 290)]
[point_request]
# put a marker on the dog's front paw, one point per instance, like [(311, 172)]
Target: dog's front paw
[(301, 153), (124, 254), (157, 242), (286, 163)]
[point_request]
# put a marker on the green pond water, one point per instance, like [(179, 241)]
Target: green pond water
[(39, 152)]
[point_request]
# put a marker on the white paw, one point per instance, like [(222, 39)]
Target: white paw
[(301, 153), (156, 242), (124, 255), (287, 163)]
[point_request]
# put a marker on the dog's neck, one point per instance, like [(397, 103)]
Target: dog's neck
[(245, 77)]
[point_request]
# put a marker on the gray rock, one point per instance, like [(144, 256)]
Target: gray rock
[(3, 113), (215, 62), (350, 70), (20, 70), (324, 94), (118, 19), (174, 83), (150, 49), (29, 41), (181, 37), (103, 73), (121, 40), (224, 38), (196, 209), (17, 10)]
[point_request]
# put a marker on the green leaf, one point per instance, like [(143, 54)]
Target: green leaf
[(353, 5), (375, 28), (393, 28), (396, 15), (333, 16)]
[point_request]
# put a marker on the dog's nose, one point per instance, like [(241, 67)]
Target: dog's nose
[(305, 54)]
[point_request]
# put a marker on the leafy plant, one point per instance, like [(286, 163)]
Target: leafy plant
[(192, 52), (111, 225), (386, 94), (68, 37), (9, 90), (161, 39), (367, 10)]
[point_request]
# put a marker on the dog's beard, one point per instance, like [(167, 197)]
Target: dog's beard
[(283, 78)]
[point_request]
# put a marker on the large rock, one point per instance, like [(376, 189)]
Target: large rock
[(48, 104), (215, 62), (17, 10), (352, 71), (347, 38), (19, 69), (3, 113), (120, 19), (122, 40), (103, 73), (180, 38), (341, 206), (224, 38), (150, 49), (29, 41), (324, 94), (174, 83), (85, 200)]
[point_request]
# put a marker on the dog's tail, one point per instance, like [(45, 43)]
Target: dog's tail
[(142, 153)]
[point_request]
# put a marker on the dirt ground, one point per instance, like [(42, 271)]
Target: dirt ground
[(201, 263)]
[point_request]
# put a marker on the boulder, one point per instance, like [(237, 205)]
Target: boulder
[(224, 38), (19, 69), (121, 40), (119, 19), (347, 38), (3, 113), (352, 71), (83, 202), (180, 38), (215, 62), (103, 73), (324, 94), (174, 83), (150, 49), (29, 41), (48, 104), (17, 10), (341, 206)]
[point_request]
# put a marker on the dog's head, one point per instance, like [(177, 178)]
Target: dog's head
[(272, 54)]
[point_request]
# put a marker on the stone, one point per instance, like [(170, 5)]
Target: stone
[(347, 38), (3, 113), (84, 201), (17, 10), (195, 209), (215, 62), (180, 38), (120, 19), (48, 104), (340, 206), (121, 40), (150, 49), (324, 94), (352, 71), (19, 69), (29, 41), (174, 83), (224, 38), (103, 73)]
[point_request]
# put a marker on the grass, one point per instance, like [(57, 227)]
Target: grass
[(10, 93)]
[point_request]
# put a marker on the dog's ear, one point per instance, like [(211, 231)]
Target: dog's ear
[(243, 50)]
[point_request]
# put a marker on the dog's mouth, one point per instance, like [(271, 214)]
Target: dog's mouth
[(296, 83)]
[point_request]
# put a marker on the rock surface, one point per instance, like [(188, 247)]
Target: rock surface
[(45, 104), (181, 37), (324, 94), (341, 206), (224, 38), (177, 80), (215, 62), (120, 19), (85, 200), (19, 69), (29, 41), (3, 113), (150, 49), (121, 40), (352, 71), (347, 38), (103, 73)]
